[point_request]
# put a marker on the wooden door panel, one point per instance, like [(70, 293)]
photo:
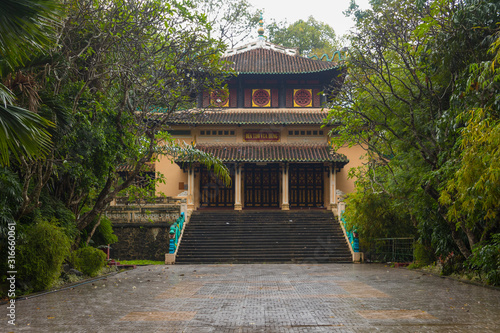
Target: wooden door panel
[(214, 193), (306, 185), (261, 185)]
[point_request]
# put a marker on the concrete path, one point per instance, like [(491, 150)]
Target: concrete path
[(263, 298)]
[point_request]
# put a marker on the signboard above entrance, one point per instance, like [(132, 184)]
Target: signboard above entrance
[(258, 136)]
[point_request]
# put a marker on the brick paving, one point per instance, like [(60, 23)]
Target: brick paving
[(263, 298)]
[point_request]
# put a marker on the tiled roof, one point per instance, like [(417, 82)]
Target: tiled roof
[(284, 152), (254, 117), (147, 167), (266, 61)]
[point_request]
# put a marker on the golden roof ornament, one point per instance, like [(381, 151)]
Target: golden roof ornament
[(261, 27)]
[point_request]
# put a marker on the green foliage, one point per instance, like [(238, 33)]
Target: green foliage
[(485, 260), (116, 62), (452, 263), (189, 154), (310, 37), (22, 133), (104, 234), (27, 28), (423, 255), (424, 114), (10, 198), (230, 21), (88, 260), (55, 210), (41, 254), (374, 215), (473, 194)]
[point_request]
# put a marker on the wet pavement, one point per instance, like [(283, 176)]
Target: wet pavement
[(263, 298)]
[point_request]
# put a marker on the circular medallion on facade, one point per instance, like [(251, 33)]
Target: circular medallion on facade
[(303, 97), (261, 97), (219, 97)]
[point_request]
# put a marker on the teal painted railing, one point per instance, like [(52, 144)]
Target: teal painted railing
[(352, 235), (175, 233)]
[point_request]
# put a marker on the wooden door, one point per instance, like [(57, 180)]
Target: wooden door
[(214, 193), (262, 185), (306, 185)]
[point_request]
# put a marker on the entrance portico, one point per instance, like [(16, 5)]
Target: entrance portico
[(281, 176)]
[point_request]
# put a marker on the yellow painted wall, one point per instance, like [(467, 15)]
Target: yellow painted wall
[(171, 171), (354, 155)]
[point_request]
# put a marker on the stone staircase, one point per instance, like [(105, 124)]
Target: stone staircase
[(265, 236)]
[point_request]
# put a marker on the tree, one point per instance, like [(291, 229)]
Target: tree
[(401, 99), (473, 194), (118, 64), (311, 37), (230, 21)]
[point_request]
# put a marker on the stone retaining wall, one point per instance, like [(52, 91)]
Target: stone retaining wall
[(142, 228), (140, 241), (144, 214)]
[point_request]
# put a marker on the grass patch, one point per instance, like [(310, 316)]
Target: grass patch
[(141, 262)]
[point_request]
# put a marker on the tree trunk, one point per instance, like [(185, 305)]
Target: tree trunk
[(460, 243), (94, 228), (471, 236)]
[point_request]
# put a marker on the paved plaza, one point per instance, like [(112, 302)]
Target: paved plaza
[(263, 298)]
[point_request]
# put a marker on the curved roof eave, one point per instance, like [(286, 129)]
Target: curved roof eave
[(337, 67)]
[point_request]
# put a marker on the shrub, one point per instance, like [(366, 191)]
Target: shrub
[(452, 263), (52, 208), (423, 255), (485, 260), (104, 233), (41, 255), (89, 260)]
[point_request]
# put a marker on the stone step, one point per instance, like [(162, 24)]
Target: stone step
[(263, 242), (263, 236), (262, 259), (276, 247), (261, 231)]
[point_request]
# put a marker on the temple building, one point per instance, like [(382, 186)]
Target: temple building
[(269, 128)]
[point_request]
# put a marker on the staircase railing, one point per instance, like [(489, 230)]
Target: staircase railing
[(352, 236), (175, 233)]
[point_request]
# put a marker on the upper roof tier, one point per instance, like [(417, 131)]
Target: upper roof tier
[(261, 57), (252, 117)]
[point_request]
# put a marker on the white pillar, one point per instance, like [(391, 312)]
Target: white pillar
[(285, 205), (190, 197), (333, 186), (237, 188)]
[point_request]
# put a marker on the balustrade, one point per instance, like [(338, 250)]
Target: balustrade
[(175, 233), (352, 235)]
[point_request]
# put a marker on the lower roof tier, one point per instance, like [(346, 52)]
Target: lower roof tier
[(276, 152)]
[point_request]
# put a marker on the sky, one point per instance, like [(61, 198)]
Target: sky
[(327, 11)]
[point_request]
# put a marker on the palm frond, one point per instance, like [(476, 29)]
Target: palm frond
[(26, 28), (189, 154), (6, 96), (22, 133)]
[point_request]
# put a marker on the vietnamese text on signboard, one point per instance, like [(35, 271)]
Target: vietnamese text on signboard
[(262, 136)]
